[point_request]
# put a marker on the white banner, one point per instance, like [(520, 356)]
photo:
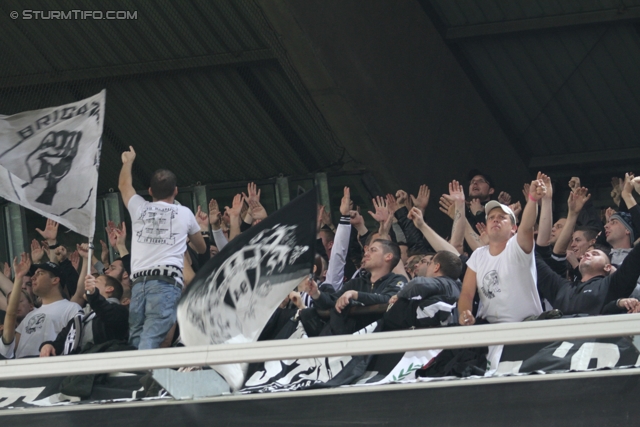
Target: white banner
[(49, 161)]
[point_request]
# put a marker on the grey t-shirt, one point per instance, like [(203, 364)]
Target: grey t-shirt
[(43, 324)]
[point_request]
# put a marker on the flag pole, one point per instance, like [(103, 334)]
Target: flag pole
[(89, 256)]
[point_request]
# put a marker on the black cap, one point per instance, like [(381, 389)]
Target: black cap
[(476, 172), (49, 266)]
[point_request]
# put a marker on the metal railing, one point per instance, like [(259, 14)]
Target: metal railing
[(377, 343)]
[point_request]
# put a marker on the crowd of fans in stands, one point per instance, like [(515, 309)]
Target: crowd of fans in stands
[(503, 261)]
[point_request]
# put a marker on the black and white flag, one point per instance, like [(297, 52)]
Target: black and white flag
[(49, 161), (233, 296)]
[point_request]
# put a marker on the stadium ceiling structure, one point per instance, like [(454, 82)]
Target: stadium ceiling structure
[(415, 91), (561, 77)]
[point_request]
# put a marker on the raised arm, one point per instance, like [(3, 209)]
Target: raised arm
[(434, 239), (546, 214), (125, 182), (234, 216), (537, 190), (576, 201), (627, 191), (215, 219), (456, 192), (335, 271), (78, 296), (382, 215), (20, 268)]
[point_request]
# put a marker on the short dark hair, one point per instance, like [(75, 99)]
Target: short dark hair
[(116, 285), (163, 184), (590, 233), (450, 264), (389, 247)]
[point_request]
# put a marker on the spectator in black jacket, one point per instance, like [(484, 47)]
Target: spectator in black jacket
[(598, 286), (430, 300), (375, 285)]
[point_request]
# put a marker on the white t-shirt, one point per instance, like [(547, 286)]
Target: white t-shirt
[(506, 283), (160, 233), (44, 324)]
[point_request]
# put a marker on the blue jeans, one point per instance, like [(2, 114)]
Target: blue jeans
[(152, 312)]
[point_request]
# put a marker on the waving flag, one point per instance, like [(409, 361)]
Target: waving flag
[(233, 296), (49, 161)]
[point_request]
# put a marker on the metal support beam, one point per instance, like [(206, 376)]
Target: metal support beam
[(282, 191), (580, 159), (199, 197), (544, 23), (322, 185), (16, 226), (205, 61), (112, 208), (378, 343)]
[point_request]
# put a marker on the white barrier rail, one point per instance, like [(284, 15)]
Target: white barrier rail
[(386, 342)]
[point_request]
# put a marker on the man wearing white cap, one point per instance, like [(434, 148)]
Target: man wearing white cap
[(504, 271)]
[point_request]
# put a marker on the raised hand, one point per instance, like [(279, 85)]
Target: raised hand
[(121, 236), (516, 208), (60, 254), (537, 189), (577, 199), (215, 216), (90, 283), (253, 194), (75, 259), (129, 156), (456, 193), (21, 268), (83, 250), (37, 253), (402, 198), (6, 270), (482, 230), (608, 213), (446, 206), (392, 204), (312, 289), (627, 185), (415, 215), (574, 183), (104, 255), (422, 201), (236, 206), (547, 183), (476, 206), (356, 219), (381, 211), (50, 232), (202, 219), (345, 203), (504, 198), (636, 184), (257, 211)]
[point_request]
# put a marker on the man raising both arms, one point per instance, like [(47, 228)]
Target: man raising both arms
[(158, 243), (504, 272)]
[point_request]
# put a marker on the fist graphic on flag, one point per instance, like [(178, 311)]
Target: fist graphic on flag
[(52, 161)]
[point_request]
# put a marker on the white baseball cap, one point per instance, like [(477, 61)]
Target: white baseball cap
[(506, 209)]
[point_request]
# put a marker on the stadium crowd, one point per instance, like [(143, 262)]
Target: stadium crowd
[(503, 261)]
